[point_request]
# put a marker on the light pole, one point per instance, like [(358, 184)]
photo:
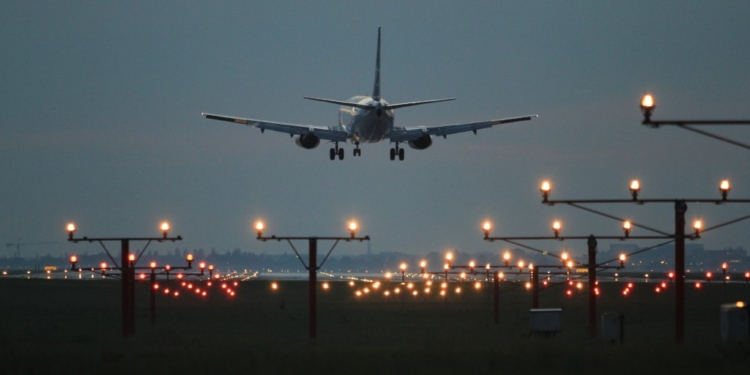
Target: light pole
[(680, 207), (648, 104), (592, 268), (127, 267), (313, 265)]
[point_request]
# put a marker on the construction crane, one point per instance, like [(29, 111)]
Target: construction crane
[(18, 244)]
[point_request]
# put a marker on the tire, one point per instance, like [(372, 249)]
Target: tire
[(401, 154), (332, 154), (393, 154), (341, 154)]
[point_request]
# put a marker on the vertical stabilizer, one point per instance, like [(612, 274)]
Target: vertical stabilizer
[(376, 89)]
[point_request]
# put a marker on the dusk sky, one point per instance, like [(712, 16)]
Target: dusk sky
[(101, 119)]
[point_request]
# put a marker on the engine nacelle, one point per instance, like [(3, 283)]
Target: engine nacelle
[(307, 141), (421, 143)]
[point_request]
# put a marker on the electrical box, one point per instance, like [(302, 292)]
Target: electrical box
[(546, 321), (613, 327), (734, 323)]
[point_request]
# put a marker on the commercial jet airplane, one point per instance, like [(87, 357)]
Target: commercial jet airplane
[(367, 119)]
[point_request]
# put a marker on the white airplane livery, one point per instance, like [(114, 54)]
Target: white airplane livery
[(367, 119)]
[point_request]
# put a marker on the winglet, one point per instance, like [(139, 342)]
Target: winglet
[(376, 89)]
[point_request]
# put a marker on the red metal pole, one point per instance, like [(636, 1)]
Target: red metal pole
[(153, 297), (125, 273), (496, 283), (680, 207), (592, 286), (535, 288), (131, 295), (313, 265)]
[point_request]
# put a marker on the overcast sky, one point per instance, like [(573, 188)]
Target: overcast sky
[(101, 123)]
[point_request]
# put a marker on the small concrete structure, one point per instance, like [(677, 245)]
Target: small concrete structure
[(613, 327), (734, 322), (546, 322)]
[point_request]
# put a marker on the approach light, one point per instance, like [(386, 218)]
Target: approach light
[(506, 258), (71, 228), (448, 258), (556, 226), (202, 266), (487, 227), (724, 187), (152, 265), (697, 225), (472, 264), (165, 229), (545, 189), (403, 266), (423, 266), (73, 261), (564, 256), (259, 228), (647, 106), (626, 226), (622, 260), (189, 259), (353, 228), (635, 187), (724, 266), (131, 259)]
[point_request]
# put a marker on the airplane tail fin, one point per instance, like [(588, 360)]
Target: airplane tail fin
[(376, 89)]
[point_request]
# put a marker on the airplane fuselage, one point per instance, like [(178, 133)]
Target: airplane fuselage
[(366, 125)]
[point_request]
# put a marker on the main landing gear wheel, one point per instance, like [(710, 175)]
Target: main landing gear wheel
[(336, 151), (397, 151)]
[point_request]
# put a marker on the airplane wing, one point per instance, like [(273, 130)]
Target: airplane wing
[(410, 134), (327, 133)]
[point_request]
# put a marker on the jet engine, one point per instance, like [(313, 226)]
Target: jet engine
[(307, 141), (421, 143)]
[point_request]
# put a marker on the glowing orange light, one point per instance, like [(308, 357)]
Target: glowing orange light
[(647, 102), (486, 227), (152, 264), (545, 187), (71, 228), (103, 266), (189, 257), (131, 257), (274, 286), (697, 285), (635, 185), (73, 259), (724, 186)]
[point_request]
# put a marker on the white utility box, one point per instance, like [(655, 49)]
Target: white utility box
[(613, 327), (546, 321), (734, 324)]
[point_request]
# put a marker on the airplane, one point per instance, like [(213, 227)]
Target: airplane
[(367, 119)]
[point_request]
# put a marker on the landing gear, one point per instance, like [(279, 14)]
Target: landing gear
[(397, 151), (357, 151), (336, 151)]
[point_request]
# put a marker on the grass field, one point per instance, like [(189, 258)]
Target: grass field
[(73, 326)]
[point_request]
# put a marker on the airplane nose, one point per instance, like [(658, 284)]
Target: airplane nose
[(379, 112)]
